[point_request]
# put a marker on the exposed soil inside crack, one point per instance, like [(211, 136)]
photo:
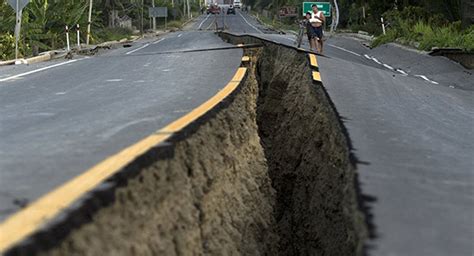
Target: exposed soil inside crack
[(308, 159)]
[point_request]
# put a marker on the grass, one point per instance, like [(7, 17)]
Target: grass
[(425, 36), (111, 34), (175, 24)]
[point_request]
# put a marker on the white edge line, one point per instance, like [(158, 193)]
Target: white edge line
[(376, 60), (130, 52), (388, 66), (398, 70), (427, 79), (250, 24), (402, 72), (157, 41), (38, 70), (342, 49), (424, 77), (200, 25)]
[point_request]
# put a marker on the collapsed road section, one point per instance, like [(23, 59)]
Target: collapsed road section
[(266, 171)]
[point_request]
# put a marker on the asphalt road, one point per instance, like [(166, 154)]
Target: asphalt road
[(410, 118), (415, 142), (60, 121)]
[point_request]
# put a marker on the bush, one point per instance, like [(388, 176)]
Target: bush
[(416, 26), (428, 36), (371, 28), (111, 34), (446, 36), (7, 46), (175, 24), (412, 15)]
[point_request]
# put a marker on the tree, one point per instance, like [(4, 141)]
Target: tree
[(467, 13), (43, 22)]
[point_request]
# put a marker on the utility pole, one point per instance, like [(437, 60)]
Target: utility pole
[(18, 7), (142, 18), (184, 8), (89, 21), (189, 9), (17, 29), (154, 19), (337, 15)]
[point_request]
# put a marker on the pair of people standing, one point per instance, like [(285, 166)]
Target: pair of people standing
[(314, 29)]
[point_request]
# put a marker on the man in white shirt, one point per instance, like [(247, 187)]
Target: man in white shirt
[(317, 20)]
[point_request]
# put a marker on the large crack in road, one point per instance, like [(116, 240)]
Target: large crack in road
[(308, 159), (266, 173)]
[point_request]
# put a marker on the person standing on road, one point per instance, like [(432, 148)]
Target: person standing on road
[(317, 20), (309, 31)]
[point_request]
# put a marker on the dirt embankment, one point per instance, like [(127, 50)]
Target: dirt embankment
[(308, 159), (267, 173)]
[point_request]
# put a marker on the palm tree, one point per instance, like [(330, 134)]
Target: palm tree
[(45, 21)]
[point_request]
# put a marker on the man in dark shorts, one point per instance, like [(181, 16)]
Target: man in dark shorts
[(317, 20)]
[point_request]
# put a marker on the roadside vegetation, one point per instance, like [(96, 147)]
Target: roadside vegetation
[(417, 27), (43, 23), (422, 24)]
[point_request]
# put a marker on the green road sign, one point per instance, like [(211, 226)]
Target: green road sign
[(325, 7)]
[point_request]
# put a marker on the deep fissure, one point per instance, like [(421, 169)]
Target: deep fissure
[(308, 158)]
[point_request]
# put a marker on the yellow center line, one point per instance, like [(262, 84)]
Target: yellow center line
[(199, 111), (239, 75), (28, 220), (313, 61), (316, 76), (206, 106)]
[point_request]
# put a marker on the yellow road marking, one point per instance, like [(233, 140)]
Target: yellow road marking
[(206, 106), (316, 76), (199, 111), (239, 75), (313, 61), (25, 222), (245, 59)]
